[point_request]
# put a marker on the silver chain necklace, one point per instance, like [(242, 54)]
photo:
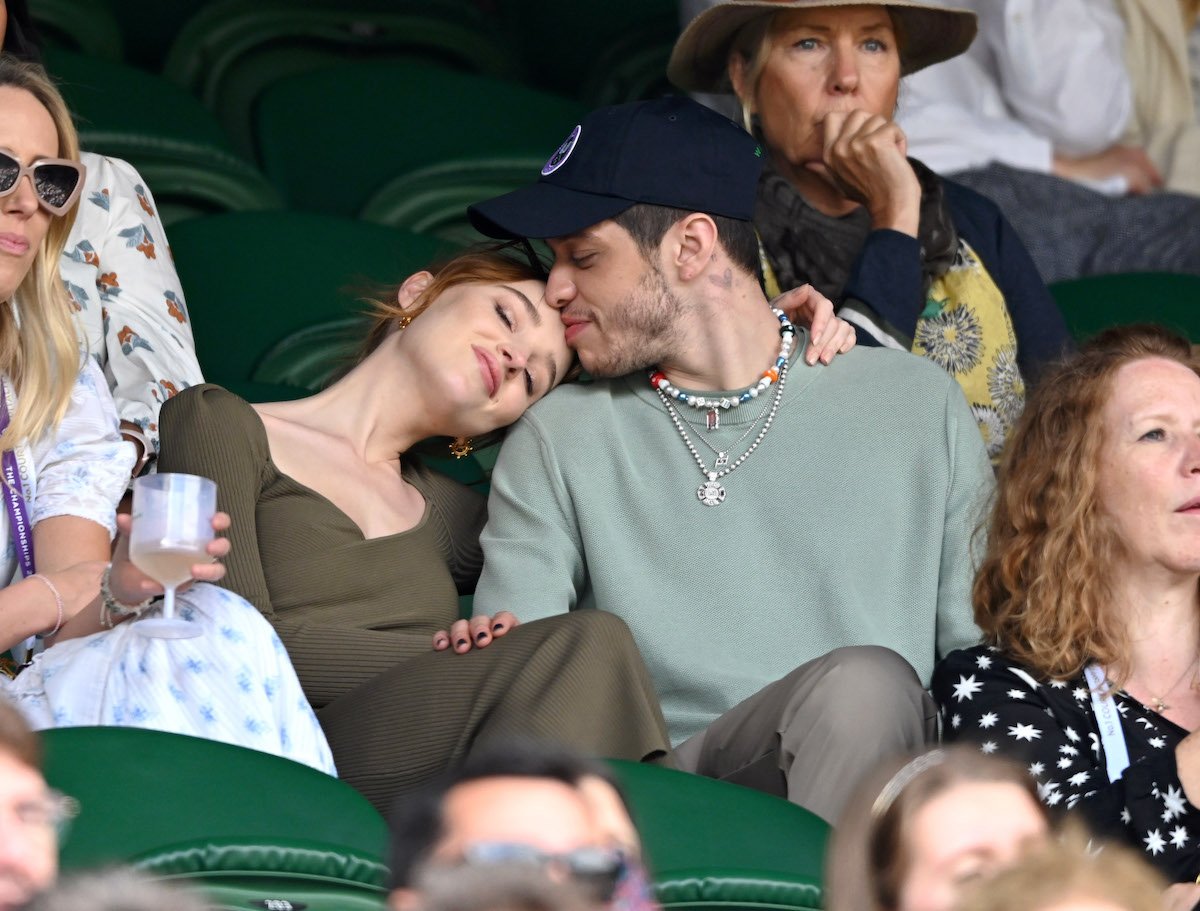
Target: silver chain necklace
[(711, 492), (723, 455)]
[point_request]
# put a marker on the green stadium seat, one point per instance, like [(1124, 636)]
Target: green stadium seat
[(332, 139), (164, 132), (434, 199), (232, 51), (86, 26), (149, 27), (1099, 301), (715, 845), (255, 278), (245, 826), (250, 828), (618, 49)]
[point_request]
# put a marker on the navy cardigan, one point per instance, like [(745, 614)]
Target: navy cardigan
[(886, 276)]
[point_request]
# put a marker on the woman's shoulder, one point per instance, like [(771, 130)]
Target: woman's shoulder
[(209, 401), (970, 209), (210, 411), (968, 670)]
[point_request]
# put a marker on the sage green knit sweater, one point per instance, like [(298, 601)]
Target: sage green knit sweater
[(850, 524)]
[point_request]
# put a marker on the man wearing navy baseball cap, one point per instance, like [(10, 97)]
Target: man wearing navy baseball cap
[(788, 541)]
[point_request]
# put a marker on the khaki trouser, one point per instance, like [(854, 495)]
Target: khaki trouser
[(814, 734)]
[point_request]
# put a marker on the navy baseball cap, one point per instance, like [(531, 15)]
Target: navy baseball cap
[(668, 152)]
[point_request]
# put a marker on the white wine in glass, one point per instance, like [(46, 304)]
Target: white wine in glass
[(172, 525)]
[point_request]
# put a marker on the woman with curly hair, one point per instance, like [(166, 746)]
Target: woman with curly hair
[(1089, 598)]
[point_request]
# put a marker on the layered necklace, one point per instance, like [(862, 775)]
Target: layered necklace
[(711, 492)]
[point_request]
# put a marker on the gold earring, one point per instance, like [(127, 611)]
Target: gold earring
[(461, 447), (403, 321)]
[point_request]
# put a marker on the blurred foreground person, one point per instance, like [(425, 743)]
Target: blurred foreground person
[(1071, 874), (31, 814), (521, 806), (116, 890), (920, 827)]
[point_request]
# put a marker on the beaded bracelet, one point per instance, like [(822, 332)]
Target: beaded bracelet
[(110, 607), (57, 600)]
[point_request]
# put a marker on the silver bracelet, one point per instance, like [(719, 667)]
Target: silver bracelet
[(110, 607), (57, 600)]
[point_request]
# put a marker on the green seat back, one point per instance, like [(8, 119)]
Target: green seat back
[(164, 132), (711, 844), (617, 52), (233, 50), (249, 826), (434, 199), (253, 279), (149, 27), (87, 26), (333, 138), (1099, 301)]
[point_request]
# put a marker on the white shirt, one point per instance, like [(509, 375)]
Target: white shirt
[(129, 304), (1042, 76), (79, 468)]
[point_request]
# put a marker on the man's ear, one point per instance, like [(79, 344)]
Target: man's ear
[(404, 899), (412, 288), (694, 244)]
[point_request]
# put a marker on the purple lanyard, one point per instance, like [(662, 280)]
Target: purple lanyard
[(14, 497)]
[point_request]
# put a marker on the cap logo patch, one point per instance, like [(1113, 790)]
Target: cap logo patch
[(558, 159)]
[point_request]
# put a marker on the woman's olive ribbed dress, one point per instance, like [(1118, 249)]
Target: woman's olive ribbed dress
[(357, 616)]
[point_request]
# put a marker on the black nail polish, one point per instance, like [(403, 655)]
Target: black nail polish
[(481, 635), (461, 642), (498, 628)]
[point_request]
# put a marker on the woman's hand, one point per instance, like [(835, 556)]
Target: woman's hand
[(130, 585), (829, 335), (866, 159), (1130, 162), (478, 632)]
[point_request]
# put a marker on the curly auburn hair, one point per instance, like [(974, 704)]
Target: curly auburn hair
[(1044, 589)]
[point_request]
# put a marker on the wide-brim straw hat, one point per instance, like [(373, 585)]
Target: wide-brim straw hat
[(930, 34)]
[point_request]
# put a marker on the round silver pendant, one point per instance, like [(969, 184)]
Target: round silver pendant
[(710, 493)]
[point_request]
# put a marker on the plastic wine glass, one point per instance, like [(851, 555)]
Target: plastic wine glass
[(172, 523)]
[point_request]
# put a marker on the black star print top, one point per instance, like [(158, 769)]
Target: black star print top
[(1049, 725)]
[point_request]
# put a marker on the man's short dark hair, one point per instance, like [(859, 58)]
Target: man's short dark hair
[(647, 224), (417, 823)]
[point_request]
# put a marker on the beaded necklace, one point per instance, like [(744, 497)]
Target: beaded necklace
[(714, 405), (711, 492)]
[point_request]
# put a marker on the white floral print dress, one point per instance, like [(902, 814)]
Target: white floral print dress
[(233, 683)]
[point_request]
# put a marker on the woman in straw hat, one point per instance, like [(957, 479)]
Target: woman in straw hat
[(915, 261)]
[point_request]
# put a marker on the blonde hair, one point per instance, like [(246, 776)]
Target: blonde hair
[(752, 46), (1069, 868), (869, 854), (40, 352), (1044, 590)]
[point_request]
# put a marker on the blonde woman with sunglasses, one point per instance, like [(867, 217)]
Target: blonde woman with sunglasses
[(64, 467), (128, 302)]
